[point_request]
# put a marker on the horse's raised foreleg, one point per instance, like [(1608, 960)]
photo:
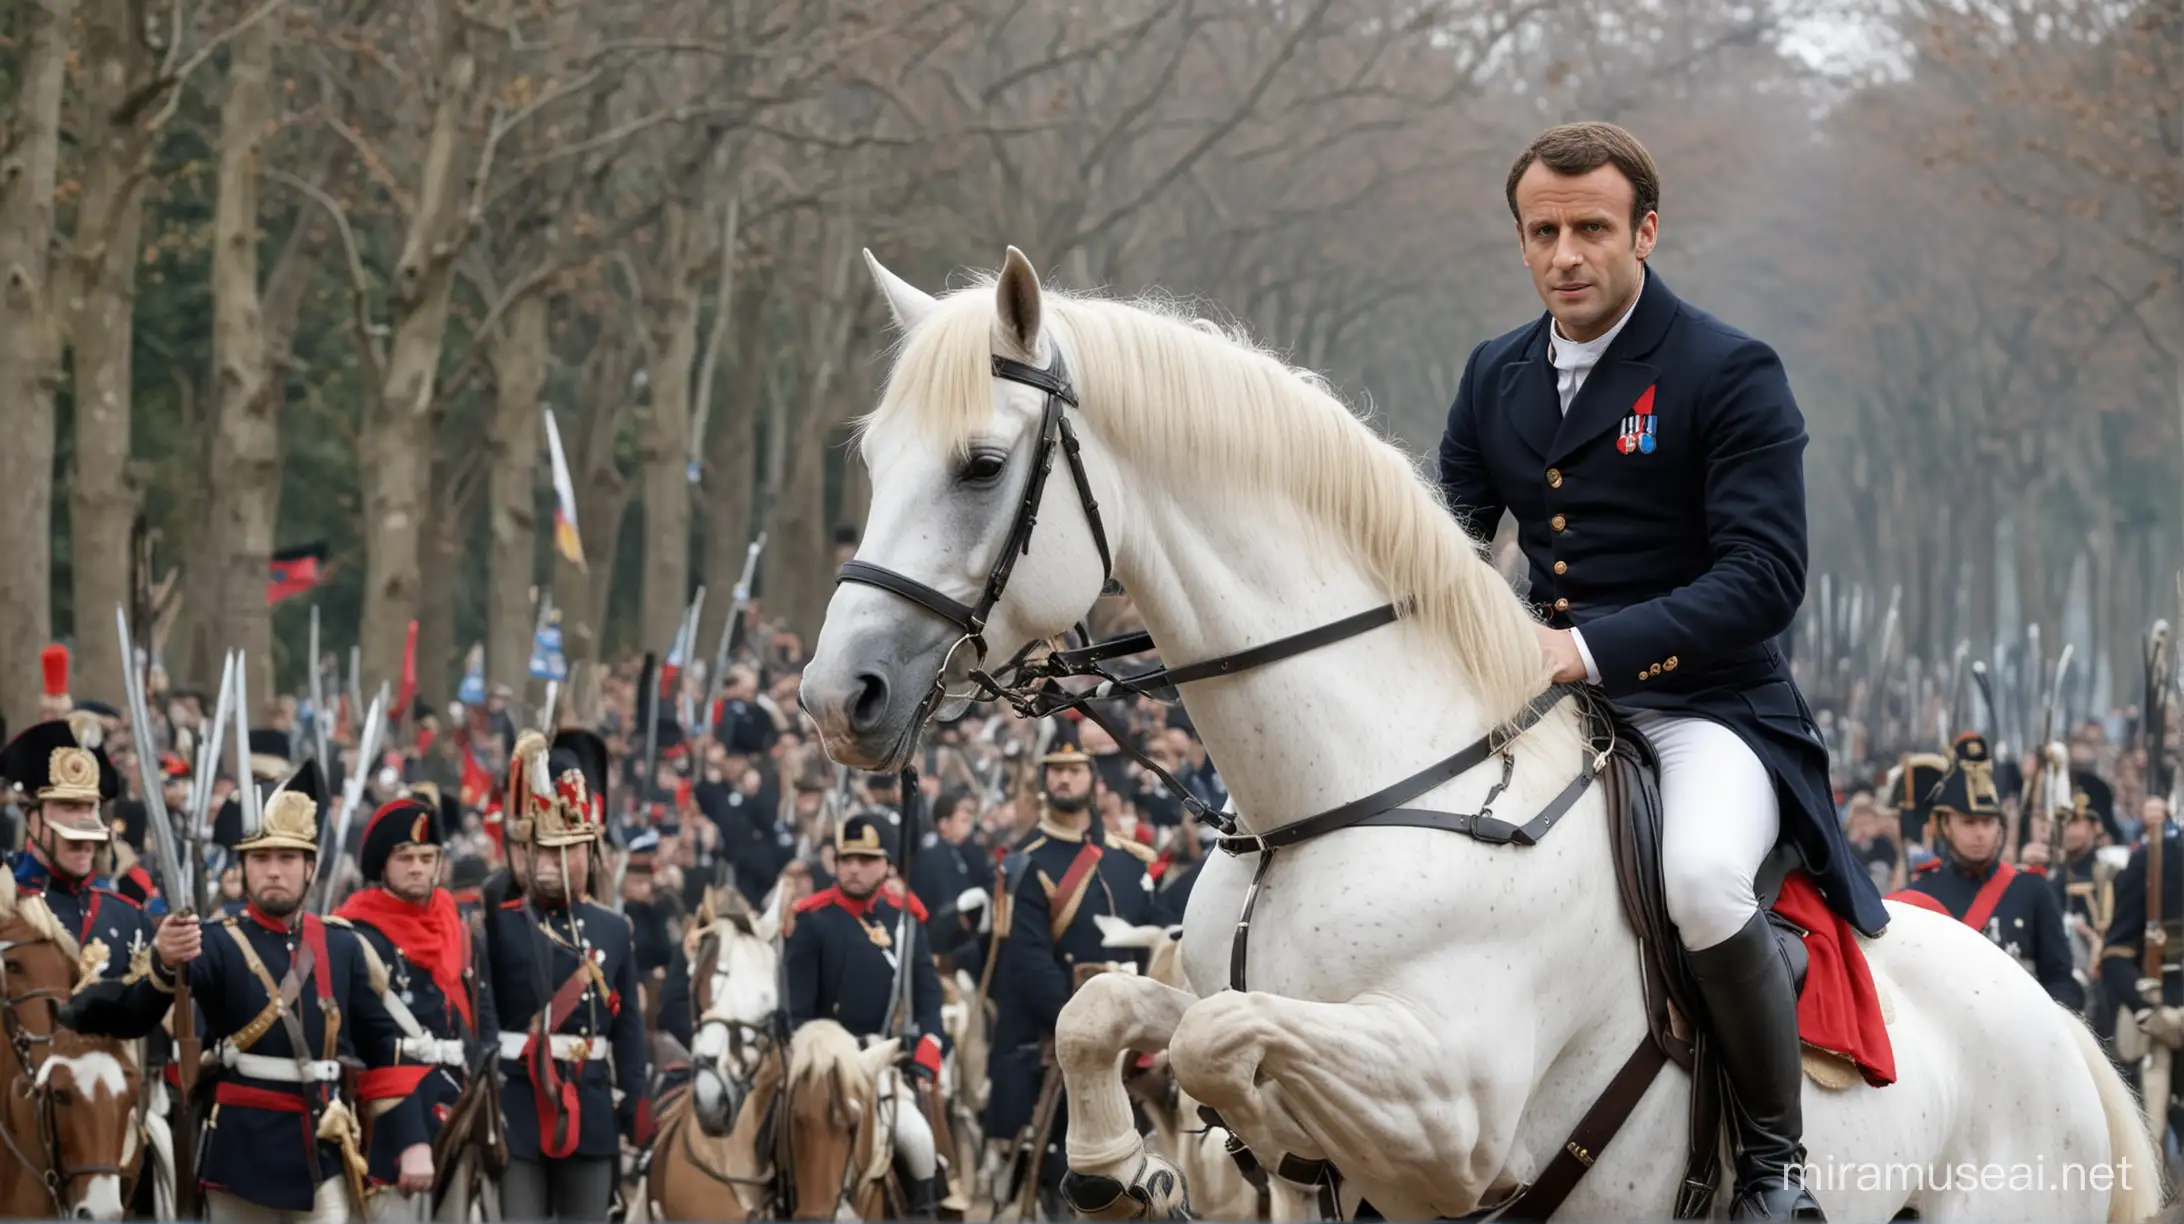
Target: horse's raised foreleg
[(1108, 1162), (1365, 1085)]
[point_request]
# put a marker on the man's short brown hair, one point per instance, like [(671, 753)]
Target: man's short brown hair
[(1581, 148)]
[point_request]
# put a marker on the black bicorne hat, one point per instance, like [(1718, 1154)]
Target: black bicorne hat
[(1969, 788), (49, 762), (408, 821)]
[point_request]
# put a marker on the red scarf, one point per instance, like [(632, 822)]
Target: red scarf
[(431, 935)]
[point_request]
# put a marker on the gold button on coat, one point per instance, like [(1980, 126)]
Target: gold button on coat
[(1562, 605), (1562, 567), (1670, 664), (1554, 478), (1558, 522)]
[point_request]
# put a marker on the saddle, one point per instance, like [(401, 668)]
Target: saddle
[(1675, 1016)]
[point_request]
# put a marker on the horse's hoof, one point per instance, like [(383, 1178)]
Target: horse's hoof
[(1157, 1192)]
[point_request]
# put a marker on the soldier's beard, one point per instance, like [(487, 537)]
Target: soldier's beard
[(1071, 804), (277, 907)]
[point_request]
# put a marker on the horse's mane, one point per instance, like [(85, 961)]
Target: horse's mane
[(33, 913), (1183, 398), (823, 1048)]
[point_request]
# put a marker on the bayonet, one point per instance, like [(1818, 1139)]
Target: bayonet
[(352, 793), (738, 603), (166, 859), (318, 700), (246, 782)]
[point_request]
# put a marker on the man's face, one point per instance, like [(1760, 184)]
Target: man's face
[(275, 879), (1575, 232), (1974, 839), (860, 874), (1069, 783), (413, 872), (2078, 835), (547, 878), (70, 857), (176, 791), (957, 827)]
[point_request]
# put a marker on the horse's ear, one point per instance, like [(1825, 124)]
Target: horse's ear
[(1016, 302), (906, 302), (768, 926), (880, 1057)]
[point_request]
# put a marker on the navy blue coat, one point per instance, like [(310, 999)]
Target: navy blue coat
[(1682, 560), (840, 966), (528, 959), (1033, 976), (259, 1144)]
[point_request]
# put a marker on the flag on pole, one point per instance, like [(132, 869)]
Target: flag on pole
[(471, 692), (294, 571), (566, 538)]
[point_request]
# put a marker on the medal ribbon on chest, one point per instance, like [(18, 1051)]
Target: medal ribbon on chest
[(1638, 427)]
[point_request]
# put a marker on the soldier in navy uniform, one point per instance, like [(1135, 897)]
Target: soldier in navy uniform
[(426, 968), (287, 1069), (954, 878), (2122, 958), (1971, 882), (564, 983), (63, 784), (841, 965), (1652, 456), (1049, 890)]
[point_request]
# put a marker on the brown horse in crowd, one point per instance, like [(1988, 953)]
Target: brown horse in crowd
[(68, 1123)]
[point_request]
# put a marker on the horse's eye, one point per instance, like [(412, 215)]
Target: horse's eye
[(984, 467)]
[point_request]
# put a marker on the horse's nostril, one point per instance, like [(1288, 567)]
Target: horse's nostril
[(82, 1212), (869, 707)]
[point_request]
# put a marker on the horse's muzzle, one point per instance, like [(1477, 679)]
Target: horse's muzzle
[(867, 686)]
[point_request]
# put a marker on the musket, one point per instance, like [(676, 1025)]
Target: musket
[(2047, 731), (1992, 722), (352, 793), (648, 709), (318, 699), (356, 678), (902, 1013), (1952, 714), (546, 714), (741, 600)]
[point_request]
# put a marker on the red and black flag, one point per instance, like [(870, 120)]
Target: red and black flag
[(295, 570)]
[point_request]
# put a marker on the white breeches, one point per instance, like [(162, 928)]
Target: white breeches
[(913, 1136), (330, 1206), (1720, 816)]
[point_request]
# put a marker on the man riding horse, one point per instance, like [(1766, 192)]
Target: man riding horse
[(841, 963), (65, 783), (1653, 458)]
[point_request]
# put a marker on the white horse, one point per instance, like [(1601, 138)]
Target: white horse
[(1429, 1013)]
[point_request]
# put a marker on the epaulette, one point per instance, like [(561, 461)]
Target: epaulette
[(896, 894), (819, 900), (1135, 849), (1928, 865)]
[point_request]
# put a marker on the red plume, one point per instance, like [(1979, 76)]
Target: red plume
[(55, 660)]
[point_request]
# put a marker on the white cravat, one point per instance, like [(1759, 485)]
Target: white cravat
[(1573, 360)]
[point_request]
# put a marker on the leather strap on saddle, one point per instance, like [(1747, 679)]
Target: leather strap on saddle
[(560, 1108), (1069, 894)]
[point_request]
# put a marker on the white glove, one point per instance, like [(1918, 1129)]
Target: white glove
[(971, 898), (2163, 1024)]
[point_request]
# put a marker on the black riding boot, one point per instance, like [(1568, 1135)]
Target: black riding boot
[(1751, 1001), (922, 1198)]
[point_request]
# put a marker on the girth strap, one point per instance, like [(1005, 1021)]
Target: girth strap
[(1541, 1199)]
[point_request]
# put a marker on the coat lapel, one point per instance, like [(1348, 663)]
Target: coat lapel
[(1528, 390), (1613, 388)]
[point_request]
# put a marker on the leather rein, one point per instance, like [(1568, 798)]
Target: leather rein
[(1031, 686)]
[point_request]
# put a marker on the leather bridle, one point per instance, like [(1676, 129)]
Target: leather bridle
[(56, 1174)]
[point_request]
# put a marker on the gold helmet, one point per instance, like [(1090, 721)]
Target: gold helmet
[(554, 798), (49, 761), (289, 817)]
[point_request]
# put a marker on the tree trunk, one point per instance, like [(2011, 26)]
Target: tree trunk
[(441, 557), (671, 316), (600, 496), (402, 422), (102, 496), (512, 448), (29, 348), (236, 550)]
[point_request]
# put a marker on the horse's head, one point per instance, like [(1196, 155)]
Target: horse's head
[(86, 1092), (740, 992), (975, 441), (833, 1114)]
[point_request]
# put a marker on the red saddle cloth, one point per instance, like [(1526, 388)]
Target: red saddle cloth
[(1839, 1011)]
